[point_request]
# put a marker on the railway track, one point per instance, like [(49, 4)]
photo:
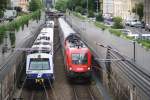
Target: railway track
[(82, 93), (136, 76)]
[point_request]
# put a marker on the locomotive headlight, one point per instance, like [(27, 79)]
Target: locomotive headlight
[(70, 68), (89, 68)]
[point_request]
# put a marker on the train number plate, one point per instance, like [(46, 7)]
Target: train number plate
[(79, 68)]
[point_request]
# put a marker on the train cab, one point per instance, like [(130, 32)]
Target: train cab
[(78, 58), (39, 68)]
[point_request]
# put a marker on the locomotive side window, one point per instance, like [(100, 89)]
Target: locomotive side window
[(39, 64), (79, 58)]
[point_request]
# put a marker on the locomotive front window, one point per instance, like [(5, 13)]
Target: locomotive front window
[(79, 58), (39, 64)]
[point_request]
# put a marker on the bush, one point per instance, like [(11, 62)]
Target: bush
[(117, 23), (99, 17)]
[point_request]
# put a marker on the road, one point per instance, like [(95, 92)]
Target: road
[(94, 35)]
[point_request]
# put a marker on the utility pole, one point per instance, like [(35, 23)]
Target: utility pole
[(87, 6), (134, 50)]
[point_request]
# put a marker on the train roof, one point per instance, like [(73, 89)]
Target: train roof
[(42, 40), (39, 55), (65, 27), (47, 30), (74, 41), (50, 23)]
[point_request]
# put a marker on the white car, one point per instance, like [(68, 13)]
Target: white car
[(135, 23), (129, 33)]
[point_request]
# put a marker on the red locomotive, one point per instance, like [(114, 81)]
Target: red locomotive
[(76, 53)]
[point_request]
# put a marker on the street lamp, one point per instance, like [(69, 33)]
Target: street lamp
[(134, 50)]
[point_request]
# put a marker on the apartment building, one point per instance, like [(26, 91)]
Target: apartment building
[(147, 11), (108, 8), (24, 4), (115, 8), (122, 8)]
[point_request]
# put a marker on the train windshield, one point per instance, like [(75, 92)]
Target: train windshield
[(39, 64), (78, 58)]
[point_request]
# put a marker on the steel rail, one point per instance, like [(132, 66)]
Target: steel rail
[(134, 75)]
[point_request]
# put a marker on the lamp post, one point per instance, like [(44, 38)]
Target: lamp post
[(134, 50)]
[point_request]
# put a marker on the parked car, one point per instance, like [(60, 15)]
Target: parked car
[(129, 33), (127, 22), (139, 24), (10, 14), (133, 22), (147, 27), (125, 31)]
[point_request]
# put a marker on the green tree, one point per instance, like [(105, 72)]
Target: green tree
[(78, 9), (61, 5), (139, 10), (35, 5), (82, 4), (117, 23)]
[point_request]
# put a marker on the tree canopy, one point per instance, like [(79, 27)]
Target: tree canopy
[(61, 5), (138, 9), (35, 5), (76, 5)]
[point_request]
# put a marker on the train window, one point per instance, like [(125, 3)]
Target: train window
[(46, 43), (36, 43), (39, 64), (78, 58)]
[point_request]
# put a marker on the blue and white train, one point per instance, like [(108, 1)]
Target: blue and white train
[(39, 63)]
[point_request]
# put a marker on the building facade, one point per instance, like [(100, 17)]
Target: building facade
[(20, 3), (115, 8), (108, 8), (24, 4), (122, 8), (147, 11)]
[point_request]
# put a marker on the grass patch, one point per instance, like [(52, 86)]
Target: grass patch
[(115, 32), (144, 42), (100, 25)]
